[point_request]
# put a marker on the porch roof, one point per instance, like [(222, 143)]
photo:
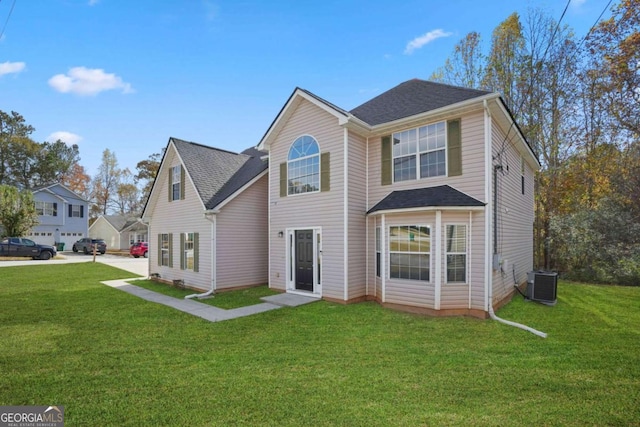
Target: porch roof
[(442, 196)]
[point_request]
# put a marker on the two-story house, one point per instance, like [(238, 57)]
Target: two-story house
[(62, 215), (421, 199)]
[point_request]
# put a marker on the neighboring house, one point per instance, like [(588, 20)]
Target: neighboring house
[(62, 216), (207, 216), (119, 231), (420, 199)]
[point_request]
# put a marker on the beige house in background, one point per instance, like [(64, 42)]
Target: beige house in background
[(420, 199), (119, 231)]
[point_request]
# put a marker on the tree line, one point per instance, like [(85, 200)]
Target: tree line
[(26, 165), (577, 101)]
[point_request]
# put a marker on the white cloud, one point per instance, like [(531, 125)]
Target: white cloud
[(64, 136), (11, 67), (211, 10), (576, 4), (418, 42), (88, 81)]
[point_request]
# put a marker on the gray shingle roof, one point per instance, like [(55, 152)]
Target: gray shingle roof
[(440, 196), (218, 173), (410, 98), (121, 222)]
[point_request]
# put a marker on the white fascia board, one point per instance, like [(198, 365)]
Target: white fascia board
[(188, 175), (286, 111), (446, 110), (428, 209), (161, 170), (101, 217), (531, 158), (237, 193), (48, 190)]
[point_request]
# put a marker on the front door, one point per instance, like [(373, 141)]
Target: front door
[(304, 260)]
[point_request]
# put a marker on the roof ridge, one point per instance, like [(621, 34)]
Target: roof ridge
[(205, 146)]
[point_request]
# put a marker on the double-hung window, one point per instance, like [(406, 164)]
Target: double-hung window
[(176, 175), (420, 152), (456, 253), (46, 208), (410, 252), (164, 248), (189, 239)]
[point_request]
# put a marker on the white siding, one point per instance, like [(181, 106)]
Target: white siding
[(515, 215), (179, 216), (321, 209), (242, 247), (471, 182), (357, 202)]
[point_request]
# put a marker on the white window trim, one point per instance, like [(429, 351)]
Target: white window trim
[(187, 252), (418, 153), (75, 209), (176, 175), (466, 253), (163, 250), (290, 234), (46, 208), (388, 252), (304, 158)]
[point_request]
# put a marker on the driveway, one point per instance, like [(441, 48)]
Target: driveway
[(137, 266)]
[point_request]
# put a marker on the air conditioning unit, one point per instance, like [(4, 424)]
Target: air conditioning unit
[(542, 286)]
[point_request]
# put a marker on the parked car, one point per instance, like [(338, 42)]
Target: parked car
[(19, 247), (139, 249), (86, 245)]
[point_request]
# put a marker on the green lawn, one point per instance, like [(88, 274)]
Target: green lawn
[(114, 360), (226, 300)]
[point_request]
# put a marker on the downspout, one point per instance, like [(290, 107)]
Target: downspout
[(209, 216), (488, 212)]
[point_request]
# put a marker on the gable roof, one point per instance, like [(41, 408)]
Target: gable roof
[(443, 196), (216, 173), (120, 222), (49, 189), (294, 99), (410, 98)]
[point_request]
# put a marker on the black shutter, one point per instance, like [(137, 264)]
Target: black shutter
[(70, 210), (81, 211), (55, 209)]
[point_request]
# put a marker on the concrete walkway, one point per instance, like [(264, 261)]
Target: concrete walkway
[(209, 312)]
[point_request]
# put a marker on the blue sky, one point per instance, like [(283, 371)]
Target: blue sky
[(128, 74)]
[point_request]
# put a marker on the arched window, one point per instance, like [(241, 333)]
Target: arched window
[(303, 166)]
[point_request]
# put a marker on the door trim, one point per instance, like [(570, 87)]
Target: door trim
[(290, 257)]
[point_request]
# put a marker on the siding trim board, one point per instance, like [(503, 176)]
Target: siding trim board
[(346, 213)]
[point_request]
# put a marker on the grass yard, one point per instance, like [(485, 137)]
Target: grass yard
[(225, 300), (115, 360)]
